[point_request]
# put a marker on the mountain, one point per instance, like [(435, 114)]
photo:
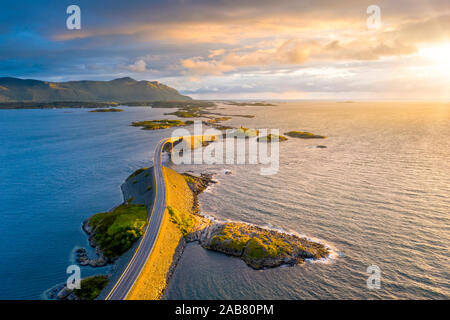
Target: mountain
[(117, 90)]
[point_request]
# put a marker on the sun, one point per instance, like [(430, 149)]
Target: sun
[(438, 56)]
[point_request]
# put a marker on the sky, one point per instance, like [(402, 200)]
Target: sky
[(238, 49)]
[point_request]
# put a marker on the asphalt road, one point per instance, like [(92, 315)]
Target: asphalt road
[(137, 262)]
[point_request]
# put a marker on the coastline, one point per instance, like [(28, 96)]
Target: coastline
[(278, 247), (169, 246)]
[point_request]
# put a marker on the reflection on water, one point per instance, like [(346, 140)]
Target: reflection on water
[(379, 193)]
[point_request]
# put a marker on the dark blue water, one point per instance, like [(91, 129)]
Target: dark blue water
[(58, 167)]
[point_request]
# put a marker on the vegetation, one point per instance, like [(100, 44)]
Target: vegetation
[(182, 104), (138, 171), (260, 247), (107, 110), (117, 90), (303, 135), (231, 237), (272, 137), (257, 243), (160, 124), (153, 278), (56, 105), (190, 112), (184, 220), (91, 287), (243, 132), (190, 179), (117, 230)]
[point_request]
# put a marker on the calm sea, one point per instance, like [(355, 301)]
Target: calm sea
[(378, 194)]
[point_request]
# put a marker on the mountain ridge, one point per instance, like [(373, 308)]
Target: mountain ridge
[(116, 90)]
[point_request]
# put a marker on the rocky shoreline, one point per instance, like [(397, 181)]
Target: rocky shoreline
[(81, 253), (259, 247)]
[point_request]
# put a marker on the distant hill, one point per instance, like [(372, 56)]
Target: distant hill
[(117, 90)]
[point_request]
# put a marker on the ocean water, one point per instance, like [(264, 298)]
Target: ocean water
[(378, 195), (57, 168)]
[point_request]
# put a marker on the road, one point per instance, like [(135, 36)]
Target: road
[(129, 276)]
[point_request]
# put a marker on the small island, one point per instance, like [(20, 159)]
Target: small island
[(261, 248), (303, 135), (160, 124), (271, 138), (107, 110), (250, 104)]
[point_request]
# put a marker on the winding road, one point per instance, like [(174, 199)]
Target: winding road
[(126, 281)]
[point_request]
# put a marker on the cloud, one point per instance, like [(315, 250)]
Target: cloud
[(245, 41), (138, 66), (197, 67)]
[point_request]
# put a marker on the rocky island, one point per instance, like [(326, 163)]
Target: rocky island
[(160, 124), (303, 135), (272, 137), (107, 110)]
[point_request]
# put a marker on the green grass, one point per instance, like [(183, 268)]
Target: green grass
[(304, 135), (189, 179), (183, 220), (256, 245), (138, 171), (231, 237), (116, 231), (260, 247), (272, 137), (158, 124), (91, 287)]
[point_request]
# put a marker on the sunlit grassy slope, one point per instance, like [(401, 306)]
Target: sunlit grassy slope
[(153, 278)]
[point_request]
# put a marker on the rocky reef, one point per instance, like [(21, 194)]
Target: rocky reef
[(304, 135)]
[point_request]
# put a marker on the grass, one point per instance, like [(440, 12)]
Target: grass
[(252, 243), (272, 137), (189, 179), (117, 230), (304, 135), (184, 220), (153, 279), (231, 237), (138, 171), (261, 247), (91, 287), (159, 124)]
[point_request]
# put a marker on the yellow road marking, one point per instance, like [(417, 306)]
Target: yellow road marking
[(140, 244)]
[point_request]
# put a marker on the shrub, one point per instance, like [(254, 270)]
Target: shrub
[(91, 287)]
